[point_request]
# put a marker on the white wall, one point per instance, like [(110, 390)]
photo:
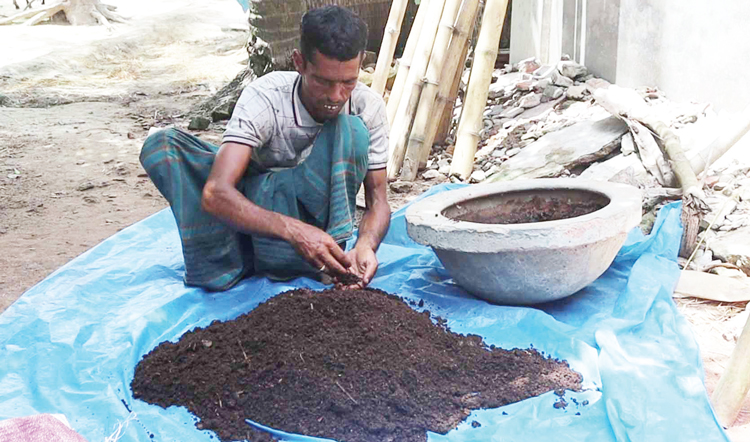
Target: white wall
[(536, 30), (693, 50)]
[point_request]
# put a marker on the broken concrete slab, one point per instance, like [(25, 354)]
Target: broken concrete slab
[(577, 145), (606, 170)]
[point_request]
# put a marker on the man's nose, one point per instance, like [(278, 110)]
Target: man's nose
[(338, 93)]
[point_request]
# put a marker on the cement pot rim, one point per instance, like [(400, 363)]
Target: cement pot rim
[(427, 225)]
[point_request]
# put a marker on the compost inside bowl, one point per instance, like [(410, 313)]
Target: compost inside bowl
[(527, 206)]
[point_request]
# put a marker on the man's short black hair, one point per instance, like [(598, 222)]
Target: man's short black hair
[(333, 31)]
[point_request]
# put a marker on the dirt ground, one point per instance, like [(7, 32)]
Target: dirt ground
[(78, 104)]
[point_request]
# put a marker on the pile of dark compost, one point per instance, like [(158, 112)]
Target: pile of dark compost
[(349, 365)]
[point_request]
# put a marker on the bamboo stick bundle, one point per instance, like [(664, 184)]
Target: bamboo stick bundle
[(485, 56), (388, 46), (444, 105), (412, 89), (404, 62), (442, 69), (446, 98)]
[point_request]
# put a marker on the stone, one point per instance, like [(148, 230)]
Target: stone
[(223, 111), (401, 186), (512, 112), (541, 84), (553, 92), (477, 176), (486, 166), (497, 88), (734, 248), (525, 85), (431, 174), (561, 80), (498, 122), (5, 100), (571, 69), (497, 153), (711, 180), (546, 71), (495, 110), (531, 100), (445, 170), (744, 193), (199, 123), (528, 65), (443, 162), (513, 152), (720, 185), (489, 172), (577, 92), (569, 148), (703, 259)]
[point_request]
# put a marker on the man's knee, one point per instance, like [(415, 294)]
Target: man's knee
[(158, 147)]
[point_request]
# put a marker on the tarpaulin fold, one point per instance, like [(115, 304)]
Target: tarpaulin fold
[(71, 343)]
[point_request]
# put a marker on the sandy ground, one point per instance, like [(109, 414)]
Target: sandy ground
[(69, 171), (83, 99)]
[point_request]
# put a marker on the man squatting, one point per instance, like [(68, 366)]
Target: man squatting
[(278, 197)]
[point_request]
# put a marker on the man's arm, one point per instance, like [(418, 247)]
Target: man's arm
[(373, 226), (222, 199)]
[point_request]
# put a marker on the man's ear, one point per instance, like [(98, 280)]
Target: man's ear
[(299, 61)]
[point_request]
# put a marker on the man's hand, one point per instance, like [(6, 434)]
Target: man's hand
[(318, 248), (364, 265)]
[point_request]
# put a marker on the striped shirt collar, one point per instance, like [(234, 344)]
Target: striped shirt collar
[(302, 117)]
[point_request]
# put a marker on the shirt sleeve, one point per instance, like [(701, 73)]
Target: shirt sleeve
[(376, 119), (252, 121)]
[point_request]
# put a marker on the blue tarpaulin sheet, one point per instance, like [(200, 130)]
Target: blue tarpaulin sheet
[(71, 343)]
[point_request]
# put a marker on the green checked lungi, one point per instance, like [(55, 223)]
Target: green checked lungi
[(320, 191)]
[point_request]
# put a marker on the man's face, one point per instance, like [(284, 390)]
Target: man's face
[(327, 83)]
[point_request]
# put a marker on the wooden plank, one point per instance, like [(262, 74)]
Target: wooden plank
[(693, 284)]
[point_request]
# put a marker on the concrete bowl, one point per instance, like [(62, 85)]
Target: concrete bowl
[(481, 235)]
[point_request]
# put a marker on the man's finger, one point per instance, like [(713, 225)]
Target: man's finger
[(372, 267), (333, 266), (340, 256)]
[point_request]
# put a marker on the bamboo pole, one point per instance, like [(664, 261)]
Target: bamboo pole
[(485, 56), (447, 106), (412, 89), (404, 62), (388, 45), (442, 68), (734, 383), (444, 105)]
